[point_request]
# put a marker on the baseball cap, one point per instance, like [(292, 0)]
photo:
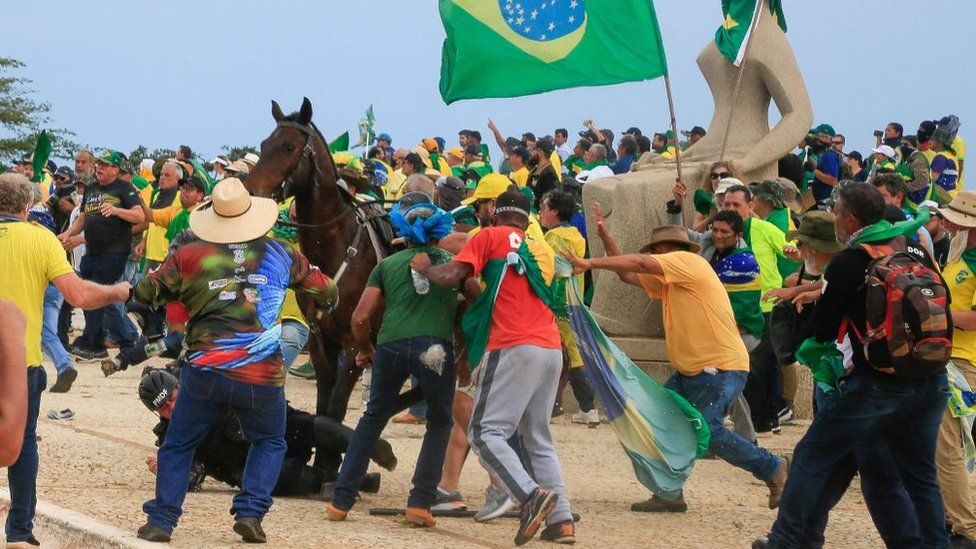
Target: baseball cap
[(51, 166), (490, 187), (885, 150), (385, 137), (474, 151), (65, 172), (727, 183), (197, 183), (633, 130), (825, 129), (520, 152), (110, 157)]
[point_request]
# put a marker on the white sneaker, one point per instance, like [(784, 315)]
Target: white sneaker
[(591, 418)]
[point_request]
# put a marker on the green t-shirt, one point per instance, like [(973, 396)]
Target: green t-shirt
[(409, 314)]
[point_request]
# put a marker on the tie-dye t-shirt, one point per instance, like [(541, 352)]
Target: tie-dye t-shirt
[(234, 294)]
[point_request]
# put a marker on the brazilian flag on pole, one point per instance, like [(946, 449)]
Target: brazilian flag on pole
[(510, 48), (740, 18)]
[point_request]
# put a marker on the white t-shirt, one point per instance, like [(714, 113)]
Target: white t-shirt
[(598, 172)]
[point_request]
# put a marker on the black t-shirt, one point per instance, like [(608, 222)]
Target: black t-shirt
[(541, 183), (845, 296), (63, 192), (108, 235)]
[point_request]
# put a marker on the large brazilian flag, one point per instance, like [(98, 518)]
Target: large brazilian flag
[(733, 36), (510, 48), (660, 431)]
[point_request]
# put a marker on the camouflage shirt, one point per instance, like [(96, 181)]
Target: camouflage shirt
[(234, 293)]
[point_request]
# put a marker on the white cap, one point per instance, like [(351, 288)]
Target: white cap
[(251, 158), (885, 150), (726, 183), (220, 160)]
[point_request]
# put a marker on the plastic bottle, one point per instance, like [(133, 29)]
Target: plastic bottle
[(420, 282), (366, 379)]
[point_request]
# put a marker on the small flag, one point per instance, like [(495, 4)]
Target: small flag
[(366, 134), (740, 17), (42, 151), (340, 143), (510, 48)]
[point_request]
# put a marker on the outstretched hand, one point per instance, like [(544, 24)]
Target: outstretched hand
[(579, 264)]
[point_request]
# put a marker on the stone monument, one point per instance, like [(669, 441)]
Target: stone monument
[(634, 203)]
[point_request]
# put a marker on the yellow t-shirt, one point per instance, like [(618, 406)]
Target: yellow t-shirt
[(699, 327), (32, 257), (520, 176), (962, 286), (157, 246), (959, 146), (394, 185)]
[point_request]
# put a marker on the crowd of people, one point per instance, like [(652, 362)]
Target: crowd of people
[(168, 259)]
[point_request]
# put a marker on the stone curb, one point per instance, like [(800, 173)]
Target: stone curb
[(72, 529)]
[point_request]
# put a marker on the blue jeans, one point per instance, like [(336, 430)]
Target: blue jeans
[(884, 493), (905, 414), (294, 336), (393, 363), (105, 269), (201, 398), (50, 342), (712, 395), (22, 475)]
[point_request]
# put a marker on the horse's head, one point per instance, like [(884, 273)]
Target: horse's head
[(289, 155)]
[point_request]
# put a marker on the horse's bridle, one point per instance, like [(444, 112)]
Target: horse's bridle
[(309, 156)]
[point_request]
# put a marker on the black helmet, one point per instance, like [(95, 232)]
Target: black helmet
[(156, 388)]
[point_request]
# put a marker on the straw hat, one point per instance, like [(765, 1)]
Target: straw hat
[(670, 234), (232, 215), (962, 210)]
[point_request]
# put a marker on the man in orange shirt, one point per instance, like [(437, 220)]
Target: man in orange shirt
[(710, 376), (517, 378)]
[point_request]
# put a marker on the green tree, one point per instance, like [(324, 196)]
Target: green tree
[(236, 153), (22, 117)]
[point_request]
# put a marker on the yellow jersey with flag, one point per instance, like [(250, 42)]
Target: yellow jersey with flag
[(567, 238), (961, 279), (33, 259)]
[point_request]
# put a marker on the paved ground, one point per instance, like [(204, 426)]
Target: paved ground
[(95, 465)]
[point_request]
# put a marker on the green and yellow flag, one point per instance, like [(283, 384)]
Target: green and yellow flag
[(740, 15), (510, 48)]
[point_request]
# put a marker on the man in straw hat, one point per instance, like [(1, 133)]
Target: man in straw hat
[(710, 376), (960, 276), (233, 282)]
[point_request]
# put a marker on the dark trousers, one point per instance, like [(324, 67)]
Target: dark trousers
[(201, 400), (582, 391), (105, 269), (393, 364), (884, 493), (905, 414), (763, 391), (22, 475), (64, 322)]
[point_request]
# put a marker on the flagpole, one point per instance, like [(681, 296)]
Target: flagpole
[(738, 79), (674, 125)]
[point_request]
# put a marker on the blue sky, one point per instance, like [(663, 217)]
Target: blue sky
[(122, 73)]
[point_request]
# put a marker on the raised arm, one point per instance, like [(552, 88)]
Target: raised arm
[(498, 136)]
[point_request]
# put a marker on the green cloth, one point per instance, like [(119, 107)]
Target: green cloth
[(781, 219), (465, 215), (704, 202), (476, 323), (884, 230), (409, 314), (178, 224), (969, 256), (340, 143), (732, 37), (42, 151), (766, 242), (825, 361), (493, 50)]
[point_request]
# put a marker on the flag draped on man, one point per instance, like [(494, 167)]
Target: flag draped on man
[(733, 36), (510, 48), (660, 431)]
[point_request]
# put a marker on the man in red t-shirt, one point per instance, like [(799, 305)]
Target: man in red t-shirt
[(519, 373)]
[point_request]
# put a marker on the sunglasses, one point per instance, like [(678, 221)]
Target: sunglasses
[(719, 175)]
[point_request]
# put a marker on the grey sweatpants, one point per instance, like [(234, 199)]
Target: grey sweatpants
[(516, 390)]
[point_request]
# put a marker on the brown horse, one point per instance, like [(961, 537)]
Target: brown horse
[(295, 161)]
